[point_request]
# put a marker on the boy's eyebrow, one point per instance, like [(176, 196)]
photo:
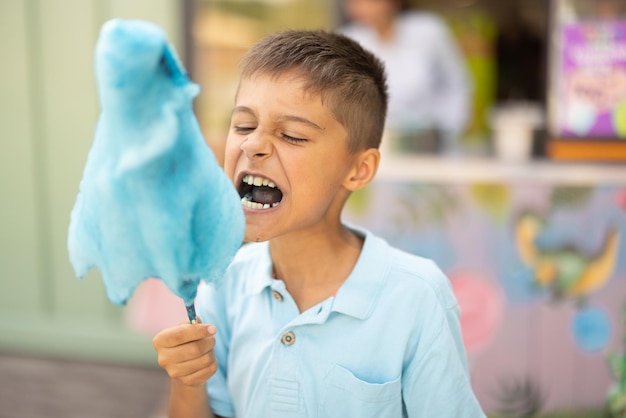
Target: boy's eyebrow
[(290, 118), (242, 109), (299, 119)]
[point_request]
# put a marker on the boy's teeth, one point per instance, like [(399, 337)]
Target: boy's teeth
[(258, 181), (247, 202)]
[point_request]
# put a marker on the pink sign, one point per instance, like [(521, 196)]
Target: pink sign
[(592, 100)]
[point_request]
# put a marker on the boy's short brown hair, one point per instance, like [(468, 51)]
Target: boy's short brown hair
[(350, 80)]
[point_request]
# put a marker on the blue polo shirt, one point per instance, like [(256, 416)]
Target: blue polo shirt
[(388, 344)]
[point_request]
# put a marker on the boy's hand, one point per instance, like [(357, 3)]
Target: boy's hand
[(186, 353)]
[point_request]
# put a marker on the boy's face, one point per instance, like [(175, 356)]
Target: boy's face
[(284, 137)]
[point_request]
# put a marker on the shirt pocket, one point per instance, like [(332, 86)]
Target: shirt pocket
[(345, 395)]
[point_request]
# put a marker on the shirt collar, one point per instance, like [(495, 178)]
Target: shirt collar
[(358, 295)]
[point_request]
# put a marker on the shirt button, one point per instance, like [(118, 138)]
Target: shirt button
[(288, 338), (277, 296)]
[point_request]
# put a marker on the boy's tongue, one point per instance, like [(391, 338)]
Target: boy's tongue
[(264, 194)]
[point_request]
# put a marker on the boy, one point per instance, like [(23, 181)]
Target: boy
[(315, 318)]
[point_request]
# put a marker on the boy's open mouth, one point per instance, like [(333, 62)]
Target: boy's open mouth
[(259, 193)]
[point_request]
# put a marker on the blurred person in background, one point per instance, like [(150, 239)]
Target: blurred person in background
[(610, 9), (429, 85)]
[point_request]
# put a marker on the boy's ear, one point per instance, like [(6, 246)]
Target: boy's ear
[(364, 169)]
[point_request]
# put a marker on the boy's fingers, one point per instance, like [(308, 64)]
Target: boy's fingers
[(200, 376), (188, 367), (172, 358), (182, 334)]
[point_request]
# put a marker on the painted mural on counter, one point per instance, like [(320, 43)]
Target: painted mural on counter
[(539, 272)]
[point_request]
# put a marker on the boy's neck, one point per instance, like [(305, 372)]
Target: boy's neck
[(314, 265)]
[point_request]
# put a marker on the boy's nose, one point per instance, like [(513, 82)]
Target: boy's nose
[(256, 146)]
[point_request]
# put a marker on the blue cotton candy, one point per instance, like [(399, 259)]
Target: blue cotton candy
[(153, 201)]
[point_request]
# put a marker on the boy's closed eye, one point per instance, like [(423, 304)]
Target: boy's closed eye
[(294, 139), (289, 138), (243, 129)]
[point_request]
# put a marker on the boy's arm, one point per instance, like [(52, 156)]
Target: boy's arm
[(186, 353), (189, 401), (437, 382)]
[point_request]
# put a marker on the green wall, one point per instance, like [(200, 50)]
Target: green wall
[(48, 111)]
